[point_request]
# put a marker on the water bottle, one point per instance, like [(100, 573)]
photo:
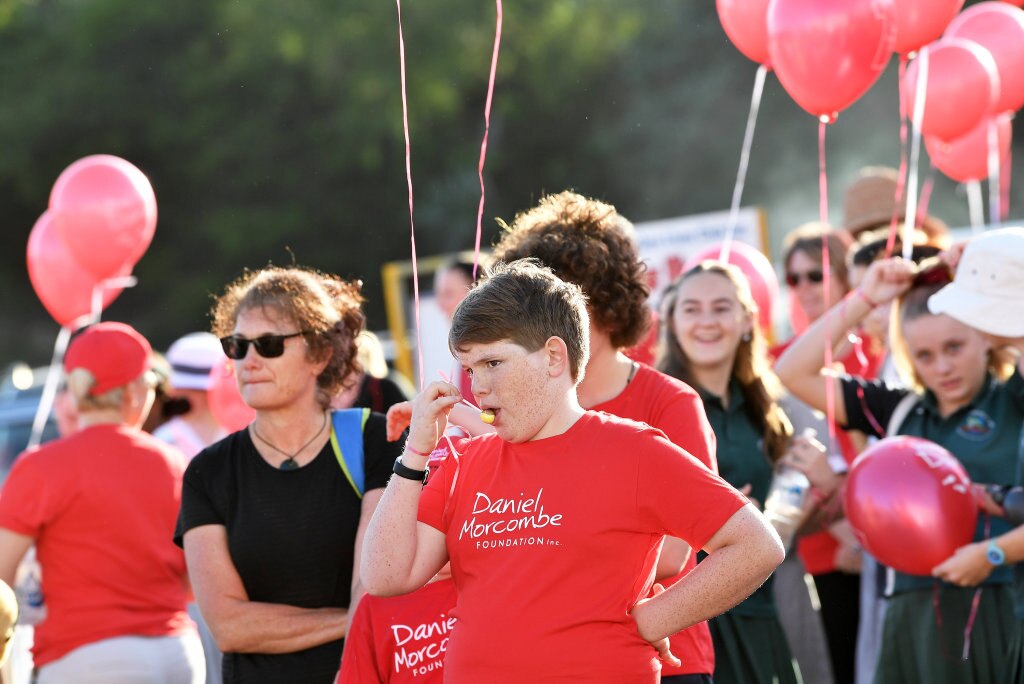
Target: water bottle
[(785, 503)]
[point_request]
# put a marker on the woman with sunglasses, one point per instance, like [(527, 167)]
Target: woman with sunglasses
[(270, 521), (960, 399), (100, 505)]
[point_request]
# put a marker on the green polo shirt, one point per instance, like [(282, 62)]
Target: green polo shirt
[(984, 435), (741, 461)]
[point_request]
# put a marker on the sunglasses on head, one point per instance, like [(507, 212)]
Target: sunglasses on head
[(793, 279), (268, 346), (932, 271)]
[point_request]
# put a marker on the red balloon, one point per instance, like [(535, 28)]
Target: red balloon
[(827, 53), (226, 403), (764, 284), (746, 24), (1018, 3), (966, 158), (910, 504), (105, 210), (62, 284), (998, 28), (962, 87), (919, 22)]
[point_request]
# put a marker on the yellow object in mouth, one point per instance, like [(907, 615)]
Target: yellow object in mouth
[(487, 416)]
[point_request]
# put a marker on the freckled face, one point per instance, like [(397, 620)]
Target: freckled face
[(514, 383)]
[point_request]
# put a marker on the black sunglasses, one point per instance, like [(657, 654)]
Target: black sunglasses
[(793, 279), (268, 346)]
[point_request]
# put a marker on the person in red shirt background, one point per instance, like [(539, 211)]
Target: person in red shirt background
[(553, 524), (100, 506)]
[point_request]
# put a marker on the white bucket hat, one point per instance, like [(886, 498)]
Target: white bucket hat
[(191, 358), (988, 290)]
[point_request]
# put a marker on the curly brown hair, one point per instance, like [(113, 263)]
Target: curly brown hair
[(586, 242), (326, 308)]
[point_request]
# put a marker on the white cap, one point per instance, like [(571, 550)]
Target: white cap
[(988, 290), (192, 358)]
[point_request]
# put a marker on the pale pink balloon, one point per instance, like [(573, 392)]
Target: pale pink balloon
[(999, 28), (966, 158), (226, 403), (105, 210), (962, 87), (746, 24)]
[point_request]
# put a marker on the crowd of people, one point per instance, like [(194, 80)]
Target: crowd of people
[(555, 510)]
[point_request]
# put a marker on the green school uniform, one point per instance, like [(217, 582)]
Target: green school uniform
[(750, 646), (920, 642)]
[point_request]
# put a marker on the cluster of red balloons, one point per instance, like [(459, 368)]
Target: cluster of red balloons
[(975, 84), (827, 53), (910, 503), (100, 221)]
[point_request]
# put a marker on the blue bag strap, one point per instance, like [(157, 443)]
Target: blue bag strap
[(347, 442)]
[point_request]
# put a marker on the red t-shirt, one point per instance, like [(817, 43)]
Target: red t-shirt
[(101, 505), (818, 550), (676, 409), (399, 639), (552, 542)]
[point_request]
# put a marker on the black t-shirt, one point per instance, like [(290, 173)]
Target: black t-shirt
[(291, 535)]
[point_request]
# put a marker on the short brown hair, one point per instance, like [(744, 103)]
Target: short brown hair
[(586, 242), (327, 309), (526, 303), (807, 239)]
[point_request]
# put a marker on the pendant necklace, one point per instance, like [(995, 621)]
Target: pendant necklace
[(289, 463)]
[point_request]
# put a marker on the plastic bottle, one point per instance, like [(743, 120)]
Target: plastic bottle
[(785, 502)]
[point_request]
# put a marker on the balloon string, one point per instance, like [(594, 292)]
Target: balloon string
[(408, 181), (49, 387), (926, 193), (830, 388), (119, 282), (993, 172), (741, 173), (483, 144), (901, 175), (975, 602), (910, 222), (1004, 185), (974, 205)]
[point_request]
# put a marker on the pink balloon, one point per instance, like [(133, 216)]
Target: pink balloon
[(999, 28), (62, 284), (746, 24), (226, 403), (105, 210), (910, 503), (919, 22), (966, 158), (962, 87), (827, 53), (764, 285)]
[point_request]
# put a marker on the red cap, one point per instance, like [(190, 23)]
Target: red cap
[(115, 354)]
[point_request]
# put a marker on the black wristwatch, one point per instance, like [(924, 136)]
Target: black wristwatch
[(408, 473)]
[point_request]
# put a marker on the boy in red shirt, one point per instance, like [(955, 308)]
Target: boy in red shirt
[(553, 525)]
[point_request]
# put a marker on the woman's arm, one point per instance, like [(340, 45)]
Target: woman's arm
[(741, 556), (801, 367), (239, 625), (400, 554), (368, 506)]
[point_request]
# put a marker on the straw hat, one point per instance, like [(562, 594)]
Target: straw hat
[(870, 200)]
